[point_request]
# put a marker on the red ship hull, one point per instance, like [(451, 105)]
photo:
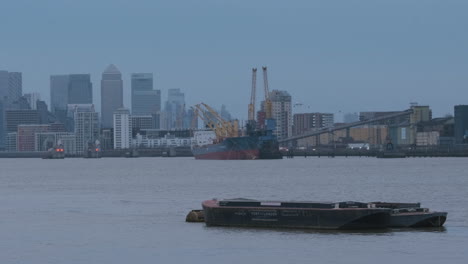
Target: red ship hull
[(230, 155)]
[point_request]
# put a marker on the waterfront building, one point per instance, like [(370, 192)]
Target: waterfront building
[(111, 94), (461, 124), (107, 138), (86, 127), (26, 138), (11, 142), (427, 138), (80, 89), (307, 122), (168, 140), (282, 113), (2, 125), (46, 140), (57, 127), (142, 122), (145, 100), (70, 114), (68, 141), (20, 117), (122, 129)]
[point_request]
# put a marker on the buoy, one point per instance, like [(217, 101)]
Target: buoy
[(195, 216)]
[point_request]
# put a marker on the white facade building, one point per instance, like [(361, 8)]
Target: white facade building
[(204, 137), (86, 128), (142, 141), (122, 129)]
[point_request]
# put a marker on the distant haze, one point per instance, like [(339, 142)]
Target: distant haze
[(331, 56)]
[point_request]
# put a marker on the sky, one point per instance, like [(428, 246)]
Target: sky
[(332, 56)]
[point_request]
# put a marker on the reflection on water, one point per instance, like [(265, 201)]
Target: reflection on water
[(366, 232)]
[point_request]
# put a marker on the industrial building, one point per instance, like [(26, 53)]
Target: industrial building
[(306, 122)]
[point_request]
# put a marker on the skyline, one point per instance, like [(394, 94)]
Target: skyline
[(342, 56)]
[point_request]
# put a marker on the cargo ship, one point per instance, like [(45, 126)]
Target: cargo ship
[(258, 140), (304, 215), (254, 146), (240, 148)]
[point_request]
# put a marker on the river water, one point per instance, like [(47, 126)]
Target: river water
[(114, 210)]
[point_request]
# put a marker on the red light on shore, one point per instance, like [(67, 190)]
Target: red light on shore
[(97, 149)]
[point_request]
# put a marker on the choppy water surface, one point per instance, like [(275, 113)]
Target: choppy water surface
[(133, 210)]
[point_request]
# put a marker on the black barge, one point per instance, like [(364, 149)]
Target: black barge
[(412, 215), (319, 215), (307, 215)]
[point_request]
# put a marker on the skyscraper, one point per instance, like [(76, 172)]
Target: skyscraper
[(11, 86), (145, 100), (111, 94), (59, 96), (11, 89), (122, 129), (175, 108), (80, 89)]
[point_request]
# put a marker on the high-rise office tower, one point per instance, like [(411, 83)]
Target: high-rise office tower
[(145, 100), (80, 89), (59, 95), (175, 108), (11, 86), (11, 89), (122, 129), (111, 94)]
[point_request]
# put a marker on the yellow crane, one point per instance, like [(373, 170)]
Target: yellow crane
[(215, 122), (268, 104), (252, 96)]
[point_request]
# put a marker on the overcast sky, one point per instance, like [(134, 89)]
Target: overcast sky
[(331, 56)]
